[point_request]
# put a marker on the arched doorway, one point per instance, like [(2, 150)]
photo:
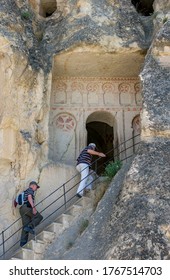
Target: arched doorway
[(136, 125), (100, 130)]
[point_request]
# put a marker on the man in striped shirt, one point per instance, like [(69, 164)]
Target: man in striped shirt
[(30, 216), (83, 163)]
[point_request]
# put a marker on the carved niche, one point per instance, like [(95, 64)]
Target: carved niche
[(124, 94), (63, 137), (92, 97), (108, 95), (76, 92), (138, 96), (59, 92)]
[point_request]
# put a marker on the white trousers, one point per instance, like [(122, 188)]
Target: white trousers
[(86, 179)]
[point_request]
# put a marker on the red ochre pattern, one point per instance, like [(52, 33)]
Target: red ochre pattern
[(65, 122)]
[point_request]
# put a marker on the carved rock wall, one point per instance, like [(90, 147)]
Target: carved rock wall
[(161, 5), (74, 100), (29, 74), (23, 125), (135, 210)]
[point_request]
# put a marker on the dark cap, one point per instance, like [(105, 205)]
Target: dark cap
[(34, 183)]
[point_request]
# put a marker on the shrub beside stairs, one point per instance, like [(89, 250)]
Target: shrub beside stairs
[(35, 248)]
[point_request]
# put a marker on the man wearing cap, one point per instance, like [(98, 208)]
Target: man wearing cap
[(83, 163), (30, 216)]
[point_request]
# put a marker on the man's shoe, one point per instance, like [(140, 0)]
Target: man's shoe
[(78, 195), (22, 243), (28, 229)]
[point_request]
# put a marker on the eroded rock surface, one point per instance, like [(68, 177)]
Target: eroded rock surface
[(35, 40), (132, 220)]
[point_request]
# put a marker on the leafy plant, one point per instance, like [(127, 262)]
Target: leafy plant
[(83, 226), (112, 168), (69, 245), (25, 15)]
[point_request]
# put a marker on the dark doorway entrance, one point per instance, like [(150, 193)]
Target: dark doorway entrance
[(101, 134), (144, 7)]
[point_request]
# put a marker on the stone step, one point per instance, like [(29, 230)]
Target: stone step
[(77, 209), (164, 61), (69, 211), (89, 193), (65, 219), (84, 201), (56, 228), (45, 236), (38, 246), (25, 254), (34, 249)]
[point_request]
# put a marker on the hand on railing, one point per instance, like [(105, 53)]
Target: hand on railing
[(101, 155)]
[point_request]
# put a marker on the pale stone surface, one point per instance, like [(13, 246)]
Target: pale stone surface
[(56, 180), (59, 73), (161, 5), (156, 90)]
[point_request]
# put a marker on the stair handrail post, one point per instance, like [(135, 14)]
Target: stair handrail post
[(95, 168), (34, 228), (3, 243), (64, 191)]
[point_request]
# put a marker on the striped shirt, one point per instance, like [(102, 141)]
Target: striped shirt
[(84, 156), (28, 192)]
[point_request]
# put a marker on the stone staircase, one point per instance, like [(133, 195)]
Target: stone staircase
[(164, 61), (163, 56), (35, 248), (39, 247)]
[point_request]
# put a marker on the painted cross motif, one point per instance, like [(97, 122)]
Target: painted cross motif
[(61, 86), (65, 122), (91, 87), (77, 86), (107, 87), (124, 87)]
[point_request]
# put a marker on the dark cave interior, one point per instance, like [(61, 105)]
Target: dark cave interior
[(144, 7)]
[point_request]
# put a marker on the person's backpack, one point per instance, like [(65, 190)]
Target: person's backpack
[(19, 200)]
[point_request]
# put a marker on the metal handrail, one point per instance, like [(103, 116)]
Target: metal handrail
[(66, 201)]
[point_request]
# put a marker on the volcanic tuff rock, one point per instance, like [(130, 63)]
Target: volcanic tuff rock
[(28, 46), (109, 24), (28, 43), (132, 221)]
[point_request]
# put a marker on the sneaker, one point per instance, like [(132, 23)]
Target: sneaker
[(28, 229), (78, 195)]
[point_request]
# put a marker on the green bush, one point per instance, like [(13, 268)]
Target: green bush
[(112, 168), (83, 226), (25, 15), (69, 245)]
